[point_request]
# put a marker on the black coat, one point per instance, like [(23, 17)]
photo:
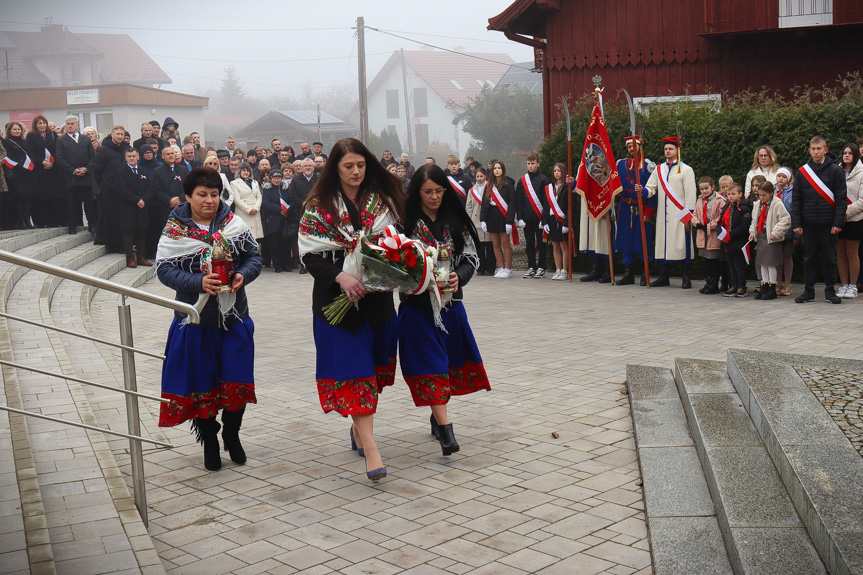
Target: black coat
[(555, 227), (525, 211), (71, 156), (271, 208), (508, 195), (807, 205), (107, 165), (165, 184), (132, 188), (19, 179), (464, 181), (46, 183), (739, 225), (298, 191)]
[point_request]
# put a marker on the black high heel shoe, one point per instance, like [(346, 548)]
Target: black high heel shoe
[(448, 444), (434, 427), (360, 451)]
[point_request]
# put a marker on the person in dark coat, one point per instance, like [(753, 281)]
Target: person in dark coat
[(170, 129), (75, 156), (48, 205), (298, 191), (109, 159), (148, 161), (19, 178), (274, 210), (134, 195), (818, 213), (167, 186)]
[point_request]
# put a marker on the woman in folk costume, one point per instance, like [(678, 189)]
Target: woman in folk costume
[(554, 219), (355, 197), (209, 366), (674, 183), (439, 356)]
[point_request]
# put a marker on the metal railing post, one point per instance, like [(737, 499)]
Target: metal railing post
[(130, 382)]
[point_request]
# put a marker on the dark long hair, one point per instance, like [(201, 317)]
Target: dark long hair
[(377, 179), (450, 209), (855, 151)]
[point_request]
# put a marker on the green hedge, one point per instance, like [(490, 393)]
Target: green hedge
[(722, 140)]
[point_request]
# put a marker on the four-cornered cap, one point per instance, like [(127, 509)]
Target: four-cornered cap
[(674, 140)]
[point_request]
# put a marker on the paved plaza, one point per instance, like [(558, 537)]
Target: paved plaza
[(547, 479)]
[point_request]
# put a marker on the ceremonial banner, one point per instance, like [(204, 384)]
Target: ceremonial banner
[(598, 180)]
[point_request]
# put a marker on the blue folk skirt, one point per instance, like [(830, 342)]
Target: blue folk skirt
[(207, 369), (353, 368)]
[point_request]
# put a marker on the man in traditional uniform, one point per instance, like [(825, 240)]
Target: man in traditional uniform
[(673, 182), (593, 241), (628, 238)]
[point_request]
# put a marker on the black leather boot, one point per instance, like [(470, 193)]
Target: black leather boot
[(712, 286), (232, 420), (207, 433), (434, 426), (605, 276), (628, 278), (593, 274), (448, 444), (687, 282), (662, 280)]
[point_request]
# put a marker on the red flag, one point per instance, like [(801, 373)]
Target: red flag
[(598, 179)]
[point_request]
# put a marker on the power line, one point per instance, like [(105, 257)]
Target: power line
[(244, 61), (450, 37), (243, 82), (467, 55), (88, 26)]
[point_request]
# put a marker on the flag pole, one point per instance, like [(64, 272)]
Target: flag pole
[(570, 241), (597, 91), (636, 167)]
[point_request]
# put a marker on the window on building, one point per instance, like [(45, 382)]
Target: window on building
[(456, 84), (422, 134), (797, 13), (392, 103), (714, 101), (421, 104)]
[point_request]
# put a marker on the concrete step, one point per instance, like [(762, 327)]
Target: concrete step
[(685, 536), (26, 545), (821, 469), (91, 519), (762, 532)]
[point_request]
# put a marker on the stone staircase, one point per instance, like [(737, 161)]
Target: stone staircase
[(66, 505), (744, 470)]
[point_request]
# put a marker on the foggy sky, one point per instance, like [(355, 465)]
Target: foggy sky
[(276, 46)]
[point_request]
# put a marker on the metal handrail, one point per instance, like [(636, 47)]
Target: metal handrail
[(84, 381), (83, 336), (107, 285), (86, 426)]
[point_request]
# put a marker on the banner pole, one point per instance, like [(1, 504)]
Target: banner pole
[(636, 165)]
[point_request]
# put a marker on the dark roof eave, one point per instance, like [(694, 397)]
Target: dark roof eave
[(524, 18)]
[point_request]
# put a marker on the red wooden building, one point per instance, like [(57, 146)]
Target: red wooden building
[(660, 48)]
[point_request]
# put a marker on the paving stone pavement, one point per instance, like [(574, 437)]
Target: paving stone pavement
[(514, 500), (841, 394)]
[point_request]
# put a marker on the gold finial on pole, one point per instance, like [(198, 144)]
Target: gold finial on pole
[(597, 80)]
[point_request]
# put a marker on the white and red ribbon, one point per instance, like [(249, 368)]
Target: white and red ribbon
[(476, 195), (684, 215), (498, 199), (819, 186), (458, 187), (552, 203), (531, 196)]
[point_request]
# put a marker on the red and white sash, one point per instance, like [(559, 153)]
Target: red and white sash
[(819, 186), (476, 195), (531, 196), (683, 214), (552, 203), (458, 188), (498, 199)]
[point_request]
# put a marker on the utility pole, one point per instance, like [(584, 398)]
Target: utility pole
[(361, 74), (410, 140)]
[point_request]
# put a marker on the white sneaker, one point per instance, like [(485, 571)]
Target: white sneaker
[(540, 273), (842, 291), (506, 274), (530, 273), (497, 272), (561, 275), (852, 291)]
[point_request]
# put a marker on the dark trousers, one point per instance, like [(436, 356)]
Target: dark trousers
[(293, 251), (278, 247), (817, 240), (133, 243), (737, 263), (712, 269), (75, 196), (485, 251), (533, 243)]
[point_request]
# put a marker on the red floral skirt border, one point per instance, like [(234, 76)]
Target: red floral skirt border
[(349, 396), (429, 389), (230, 396), (468, 378), (386, 374)]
